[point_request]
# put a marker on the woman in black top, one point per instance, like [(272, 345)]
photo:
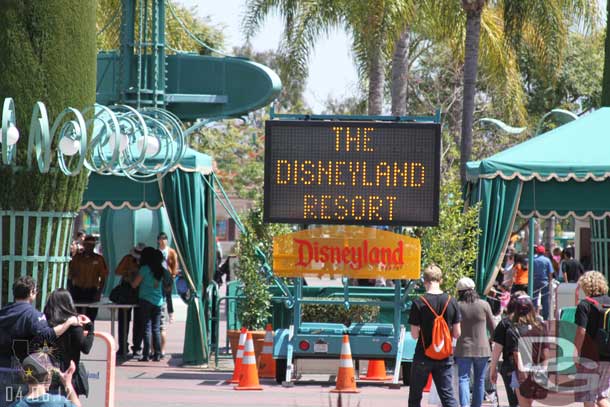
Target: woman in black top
[(68, 346)]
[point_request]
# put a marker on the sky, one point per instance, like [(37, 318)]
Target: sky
[(332, 71)]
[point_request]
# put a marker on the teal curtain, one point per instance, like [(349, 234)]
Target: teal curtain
[(499, 203), (184, 196)]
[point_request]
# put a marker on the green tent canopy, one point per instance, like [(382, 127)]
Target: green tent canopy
[(189, 206), (560, 173)]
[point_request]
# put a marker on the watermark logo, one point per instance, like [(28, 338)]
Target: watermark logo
[(561, 378)]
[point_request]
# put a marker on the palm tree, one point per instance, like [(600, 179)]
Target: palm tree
[(400, 74), (374, 25), (543, 24), (606, 78)]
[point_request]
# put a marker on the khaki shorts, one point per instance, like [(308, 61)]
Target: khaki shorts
[(599, 383)]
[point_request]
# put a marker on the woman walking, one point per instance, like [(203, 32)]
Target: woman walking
[(525, 327), (150, 283), (506, 368), (73, 342), (473, 348)]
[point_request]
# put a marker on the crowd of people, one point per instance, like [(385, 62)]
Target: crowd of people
[(40, 352), (549, 267), (514, 352)]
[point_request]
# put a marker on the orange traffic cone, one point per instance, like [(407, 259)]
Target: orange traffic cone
[(266, 364), (239, 357), (248, 377), (428, 384), (376, 370), (346, 379)]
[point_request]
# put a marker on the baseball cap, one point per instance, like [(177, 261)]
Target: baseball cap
[(540, 249), (37, 366), (465, 283)]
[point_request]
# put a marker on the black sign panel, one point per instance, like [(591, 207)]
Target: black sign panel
[(352, 173)]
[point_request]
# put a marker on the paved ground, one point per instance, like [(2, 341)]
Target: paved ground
[(167, 383)]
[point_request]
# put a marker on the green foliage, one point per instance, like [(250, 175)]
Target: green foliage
[(108, 24), (254, 310), (453, 244), (337, 313), (237, 148), (355, 105), (45, 56), (291, 98), (577, 87)]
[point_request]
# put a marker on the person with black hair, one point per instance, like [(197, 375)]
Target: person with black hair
[(148, 315), (571, 269), (60, 308), (530, 357), (499, 348), (22, 329), (37, 371), (87, 274)]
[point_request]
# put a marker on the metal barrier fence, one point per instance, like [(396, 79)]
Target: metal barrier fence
[(35, 244)]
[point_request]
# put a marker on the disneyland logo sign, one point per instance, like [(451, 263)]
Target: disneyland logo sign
[(356, 257)]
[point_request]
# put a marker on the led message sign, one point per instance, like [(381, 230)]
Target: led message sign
[(363, 173)]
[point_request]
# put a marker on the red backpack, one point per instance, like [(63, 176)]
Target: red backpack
[(441, 346)]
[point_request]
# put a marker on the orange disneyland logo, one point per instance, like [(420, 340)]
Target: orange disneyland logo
[(351, 251), (354, 257)]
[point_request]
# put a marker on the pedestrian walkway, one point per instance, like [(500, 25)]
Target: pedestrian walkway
[(167, 383)]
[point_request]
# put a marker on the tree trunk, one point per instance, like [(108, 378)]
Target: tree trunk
[(48, 54), (473, 31), (400, 74), (606, 78), (376, 82)]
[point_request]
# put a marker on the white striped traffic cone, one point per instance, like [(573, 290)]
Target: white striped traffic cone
[(346, 378), (248, 377), (240, 355)]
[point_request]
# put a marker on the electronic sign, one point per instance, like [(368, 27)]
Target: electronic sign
[(352, 172)]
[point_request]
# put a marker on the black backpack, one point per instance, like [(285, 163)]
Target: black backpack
[(602, 335)]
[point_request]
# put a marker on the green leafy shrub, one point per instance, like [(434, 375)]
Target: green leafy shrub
[(336, 313), (453, 244), (254, 309)]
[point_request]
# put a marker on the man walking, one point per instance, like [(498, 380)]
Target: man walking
[(87, 276), (422, 320), (543, 275)]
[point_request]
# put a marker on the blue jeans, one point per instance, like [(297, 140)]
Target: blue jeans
[(480, 369), (442, 374), (149, 320)]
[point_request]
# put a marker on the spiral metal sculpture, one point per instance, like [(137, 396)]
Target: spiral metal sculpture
[(118, 140)]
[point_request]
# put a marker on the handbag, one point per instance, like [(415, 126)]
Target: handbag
[(80, 381), (535, 386), (124, 293)]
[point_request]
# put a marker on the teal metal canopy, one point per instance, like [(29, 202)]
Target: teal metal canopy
[(117, 192), (561, 173), (188, 201), (575, 151), (196, 86)]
